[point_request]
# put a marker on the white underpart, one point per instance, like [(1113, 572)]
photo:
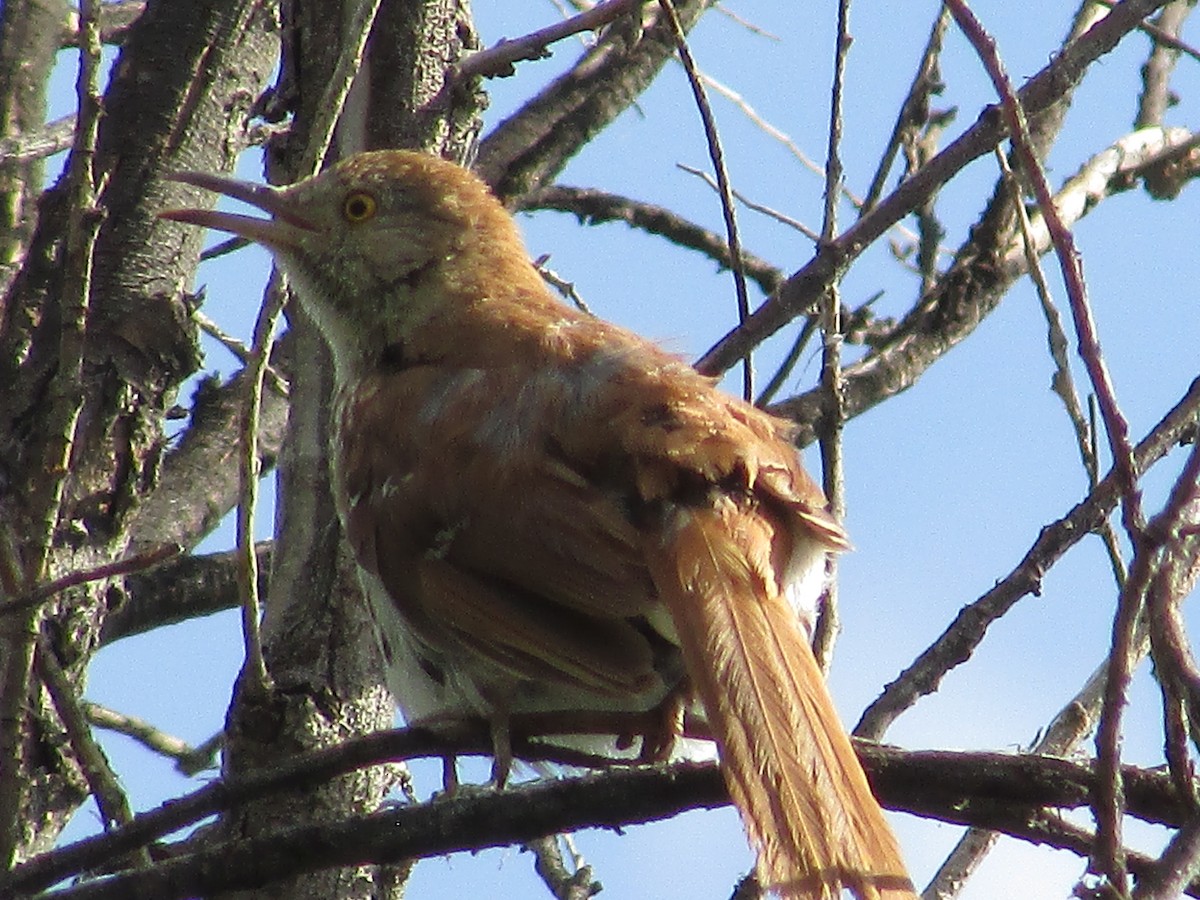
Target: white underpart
[(804, 581), (421, 699)]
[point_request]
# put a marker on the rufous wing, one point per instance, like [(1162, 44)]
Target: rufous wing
[(534, 518), (496, 553)]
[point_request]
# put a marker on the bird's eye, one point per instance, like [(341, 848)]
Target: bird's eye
[(359, 206)]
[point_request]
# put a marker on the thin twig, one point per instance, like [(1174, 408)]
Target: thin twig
[(789, 362), (126, 566), (1110, 855), (575, 882), (746, 23), (101, 780), (792, 147), (239, 349), (832, 450), (920, 148), (717, 155), (1062, 383), (591, 206), (913, 111), (1175, 663), (859, 326), (1179, 676), (224, 248), (248, 475), (1162, 37), (775, 214), (329, 110), (498, 59), (1156, 97), (1172, 530), (204, 756), (148, 735), (1069, 261), (960, 864), (51, 138), (560, 284), (960, 639), (772, 132)]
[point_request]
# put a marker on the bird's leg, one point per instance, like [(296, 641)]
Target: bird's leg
[(450, 783), (695, 724), (658, 739), (502, 759), (449, 725)]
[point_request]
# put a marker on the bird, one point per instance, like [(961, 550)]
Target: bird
[(552, 514)]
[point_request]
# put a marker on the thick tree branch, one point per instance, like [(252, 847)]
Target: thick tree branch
[(28, 43), (986, 789), (181, 589), (138, 345), (199, 480)]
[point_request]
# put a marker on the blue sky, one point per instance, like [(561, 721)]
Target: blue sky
[(948, 484)]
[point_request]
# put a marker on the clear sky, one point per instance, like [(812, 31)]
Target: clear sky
[(947, 484)]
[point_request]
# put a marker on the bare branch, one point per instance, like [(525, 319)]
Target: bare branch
[(1048, 87), (137, 563), (961, 638), (498, 60), (51, 138), (116, 18), (717, 155), (198, 484), (775, 214), (591, 206), (184, 588), (102, 781), (989, 789), (967, 293), (526, 150), (914, 112), (1156, 73), (188, 759), (833, 474)]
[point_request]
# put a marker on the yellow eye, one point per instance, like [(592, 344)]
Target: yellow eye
[(359, 206)]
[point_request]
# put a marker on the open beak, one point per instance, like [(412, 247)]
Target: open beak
[(279, 231)]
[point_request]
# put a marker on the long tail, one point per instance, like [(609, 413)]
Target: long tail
[(790, 768)]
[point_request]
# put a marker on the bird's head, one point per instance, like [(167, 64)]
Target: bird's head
[(370, 244)]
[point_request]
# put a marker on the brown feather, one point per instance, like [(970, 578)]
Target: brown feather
[(553, 515), (790, 768)]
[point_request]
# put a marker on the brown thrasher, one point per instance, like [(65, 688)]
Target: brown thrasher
[(551, 514)]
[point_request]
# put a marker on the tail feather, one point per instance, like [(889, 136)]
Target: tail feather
[(790, 768)]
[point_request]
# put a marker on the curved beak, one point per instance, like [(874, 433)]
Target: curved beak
[(278, 231)]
